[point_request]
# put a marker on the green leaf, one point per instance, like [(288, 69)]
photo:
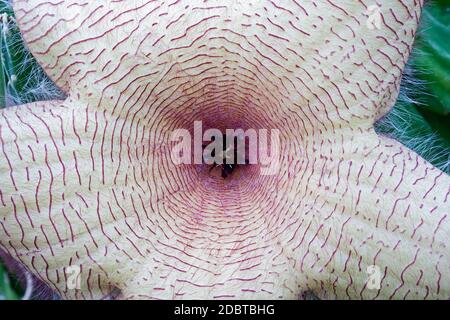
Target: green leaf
[(6, 290), (407, 124), (434, 58), (424, 127)]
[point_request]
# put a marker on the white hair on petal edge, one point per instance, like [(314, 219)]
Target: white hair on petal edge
[(38, 86), (399, 122)]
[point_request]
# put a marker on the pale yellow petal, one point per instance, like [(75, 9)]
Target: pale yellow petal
[(375, 222), (335, 63)]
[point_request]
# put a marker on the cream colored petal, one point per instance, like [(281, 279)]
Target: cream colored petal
[(375, 222), (84, 192), (336, 63), (65, 179), (161, 231), (356, 216)]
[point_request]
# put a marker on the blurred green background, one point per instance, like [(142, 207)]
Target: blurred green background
[(420, 119)]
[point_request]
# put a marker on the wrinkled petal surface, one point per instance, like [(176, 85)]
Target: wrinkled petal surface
[(89, 181)]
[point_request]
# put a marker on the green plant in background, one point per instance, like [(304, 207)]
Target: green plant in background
[(436, 58), (22, 80), (419, 120), (9, 288)]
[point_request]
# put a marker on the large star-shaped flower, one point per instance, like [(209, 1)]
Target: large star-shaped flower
[(89, 181)]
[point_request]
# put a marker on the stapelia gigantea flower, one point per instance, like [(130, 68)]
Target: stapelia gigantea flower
[(89, 181)]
